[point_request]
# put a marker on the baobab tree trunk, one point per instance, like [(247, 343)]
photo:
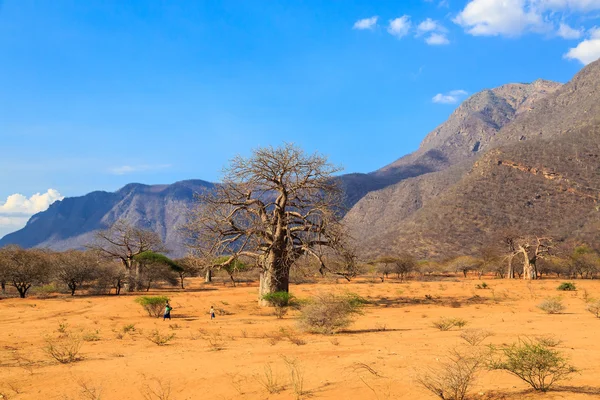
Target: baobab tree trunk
[(274, 277), (208, 276), (511, 270)]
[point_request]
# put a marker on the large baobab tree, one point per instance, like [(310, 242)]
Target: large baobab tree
[(125, 242), (273, 207), (530, 249)]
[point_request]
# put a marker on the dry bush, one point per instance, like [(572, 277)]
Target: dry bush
[(535, 363), (475, 336), (548, 340), (445, 323), (292, 336), (64, 349), (215, 340), (89, 392), (296, 376), (453, 377), (552, 305), (269, 380), (91, 336), (594, 308), (158, 338), (330, 313), (156, 390)]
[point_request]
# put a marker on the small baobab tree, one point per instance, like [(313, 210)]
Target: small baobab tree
[(124, 242), (272, 207)]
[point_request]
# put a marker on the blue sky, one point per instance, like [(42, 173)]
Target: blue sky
[(96, 94)]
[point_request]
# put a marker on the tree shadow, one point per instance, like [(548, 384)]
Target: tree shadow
[(373, 330)]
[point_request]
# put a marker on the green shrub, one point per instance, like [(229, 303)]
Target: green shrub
[(154, 305), (281, 301), (552, 305), (330, 313), (567, 286), (535, 363)]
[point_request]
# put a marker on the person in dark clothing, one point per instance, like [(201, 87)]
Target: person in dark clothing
[(168, 309)]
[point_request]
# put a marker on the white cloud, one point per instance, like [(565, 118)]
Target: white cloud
[(587, 51), (427, 26), (499, 17), (451, 97), (129, 169), (437, 39), (366, 23), (19, 204), (399, 27), (566, 32), (17, 209), (516, 17)]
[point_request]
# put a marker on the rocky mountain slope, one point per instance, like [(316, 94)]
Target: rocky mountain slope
[(538, 175), (71, 223)]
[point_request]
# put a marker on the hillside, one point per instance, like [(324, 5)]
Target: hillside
[(538, 175), (71, 223)]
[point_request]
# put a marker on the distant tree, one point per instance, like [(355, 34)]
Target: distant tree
[(385, 265), (232, 268), (112, 276), (529, 249), (74, 268), (490, 260), (584, 261), (465, 264), (190, 266), (273, 207), (25, 268), (157, 267), (124, 242), (404, 265)]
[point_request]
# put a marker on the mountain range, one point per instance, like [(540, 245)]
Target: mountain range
[(520, 156)]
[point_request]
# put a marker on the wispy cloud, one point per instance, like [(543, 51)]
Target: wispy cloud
[(451, 97), (399, 27), (130, 169), (436, 32), (566, 32), (437, 39), (366, 23)]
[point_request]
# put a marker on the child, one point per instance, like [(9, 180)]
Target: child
[(212, 312), (167, 314)]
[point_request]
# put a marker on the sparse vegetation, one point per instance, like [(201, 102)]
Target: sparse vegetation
[(567, 286), (154, 305), (552, 305), (269, 380), (445, 323), (475, 337), (64, 349), (330, 313), (594, 308), (160, 339), (535, 363), (281, 301), (452, 378)]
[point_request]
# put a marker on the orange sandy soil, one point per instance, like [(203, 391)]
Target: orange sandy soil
[(394, 337)]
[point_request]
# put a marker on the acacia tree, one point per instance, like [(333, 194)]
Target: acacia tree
[(25, 268), (124, 242), (273, 207), (385, 265), (74, 268), (404, 265)]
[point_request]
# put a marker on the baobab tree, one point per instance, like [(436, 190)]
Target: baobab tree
[(125, 242), (530, 249), (272, 207)]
